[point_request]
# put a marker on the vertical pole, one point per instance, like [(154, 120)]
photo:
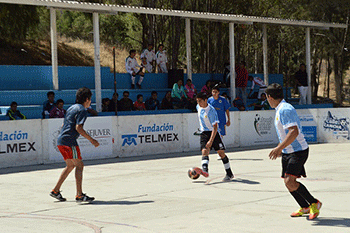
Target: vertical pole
[(232, 61), (188, 48), (266, 72), (54, 62), (308, 65), (114, 75), (97, 62)]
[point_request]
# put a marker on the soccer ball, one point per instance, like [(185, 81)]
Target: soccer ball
[(194, 173)]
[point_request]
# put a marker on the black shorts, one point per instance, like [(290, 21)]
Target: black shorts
[(217, 143), (293, 164)]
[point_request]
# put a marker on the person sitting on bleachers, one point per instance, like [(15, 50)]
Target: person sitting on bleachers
[(179, 95), (48, 104), (238, 103), (139, 105), (191, 92), (13, 113), (167, 102), (262, 104), (58, 111), (126, 104), (153, 103), (207, 88), (105, 104), (113, 105), (259, 82)]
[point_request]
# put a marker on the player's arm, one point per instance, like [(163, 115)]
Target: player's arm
[(228, 123), (83, 133), (293, 133), (212, 136)]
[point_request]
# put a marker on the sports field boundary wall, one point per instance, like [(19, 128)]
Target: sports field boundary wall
[(32, 142)]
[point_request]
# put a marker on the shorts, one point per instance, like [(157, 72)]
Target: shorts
[(70, 152), (293, 163), (217, 143), (222, 129)]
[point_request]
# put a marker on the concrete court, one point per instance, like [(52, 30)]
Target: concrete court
[(155, 195)]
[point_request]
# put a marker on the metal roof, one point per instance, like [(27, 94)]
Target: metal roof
[(114, 9)]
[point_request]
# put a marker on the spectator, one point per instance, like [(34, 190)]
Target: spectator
[(139, 105), (262, 104), (302, 84), (113, 105), (131, 67), (92, 111), (258, 81), (167, 102), (241, 81), (13, 113), (58, 111), (227, 97), (207, 88), (238, 103), (125, 103), (179, 95), (105, 104), (162, 60), (191, 93), (148, 57), (48, 104), (153, 102)]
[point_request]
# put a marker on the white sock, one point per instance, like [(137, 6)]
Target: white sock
[(140, 80), (133, 80)]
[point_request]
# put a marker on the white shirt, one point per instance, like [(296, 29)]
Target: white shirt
[(207, 118), (161, 57), (286, 117), (149, 55), (258, 81), (131, 65)]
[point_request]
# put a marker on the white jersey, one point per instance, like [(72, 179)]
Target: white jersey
[(131, 65), (161, 58), (149, 55), (207, 118), (258, 81), (286, 117)]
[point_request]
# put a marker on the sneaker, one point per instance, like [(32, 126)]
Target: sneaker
[(300, 212), (205, 174), (57, 195), (228, 178), (84, 198), (132, 86), (315, 210), (138, 86)]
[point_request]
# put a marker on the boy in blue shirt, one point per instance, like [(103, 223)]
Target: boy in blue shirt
[(67, 144), (209, 137), (294, 151)]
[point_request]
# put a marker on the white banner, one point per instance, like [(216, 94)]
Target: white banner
[(20, 143), (333, 125), (100, 128), (147, 134), (308, 121), (257, 128)]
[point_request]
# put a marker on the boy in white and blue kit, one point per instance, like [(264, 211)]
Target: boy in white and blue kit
[(294, 151), (210, 137)]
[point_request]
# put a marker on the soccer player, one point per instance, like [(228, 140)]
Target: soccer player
[(210, 137), (132, 67), (162, 60), (149, 57), (67, 144), (294, 151), (222, 107)]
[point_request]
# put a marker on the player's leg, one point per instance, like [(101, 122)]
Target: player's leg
[(79, 167), (133, 77), (226, 162), (204, 138)]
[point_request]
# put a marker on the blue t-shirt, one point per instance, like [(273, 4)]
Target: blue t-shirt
[(76, 115), (220, 105), (207, 118)]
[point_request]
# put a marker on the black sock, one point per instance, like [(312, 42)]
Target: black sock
[(226, 163), (205, 162), (301, 201), (305, 194)]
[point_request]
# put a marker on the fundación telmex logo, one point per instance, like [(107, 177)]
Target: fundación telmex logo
[(151, 134)]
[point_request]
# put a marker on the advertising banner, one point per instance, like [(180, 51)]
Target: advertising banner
[(20, 143), (308, 121), (257, 128), (147, 134), (100, 128), (333, 125)]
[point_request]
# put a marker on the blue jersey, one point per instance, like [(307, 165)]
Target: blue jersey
[(220, 105), (76, 115), (207, 118), (286, 117)]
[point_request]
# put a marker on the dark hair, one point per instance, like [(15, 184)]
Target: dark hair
[(275, 91), (149, 44), (160, 45), (83, 94), (126, 92), (59, 101), (105, 100), (188, 80), (138, 96), (250, 77), (50, 93), (115, 94), (202, 95), (132, 51), (154, 92), (243, 63), (13, 103), (216, 87)]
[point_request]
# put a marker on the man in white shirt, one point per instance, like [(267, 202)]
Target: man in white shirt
[(257, 81), (148, 57), (162, 60), (133, 68)]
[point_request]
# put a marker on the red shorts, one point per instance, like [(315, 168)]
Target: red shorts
[(70, 152)]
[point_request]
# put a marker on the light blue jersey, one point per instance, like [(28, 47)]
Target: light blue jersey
[(286, 117), (207, 117), (220, 105)]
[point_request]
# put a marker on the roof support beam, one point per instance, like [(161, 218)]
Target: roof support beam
[(265, 57), (54, 57), (232, 61), (188, 48), (97, 62), (308, 65)]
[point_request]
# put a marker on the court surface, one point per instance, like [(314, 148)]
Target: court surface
[(154, 194)]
